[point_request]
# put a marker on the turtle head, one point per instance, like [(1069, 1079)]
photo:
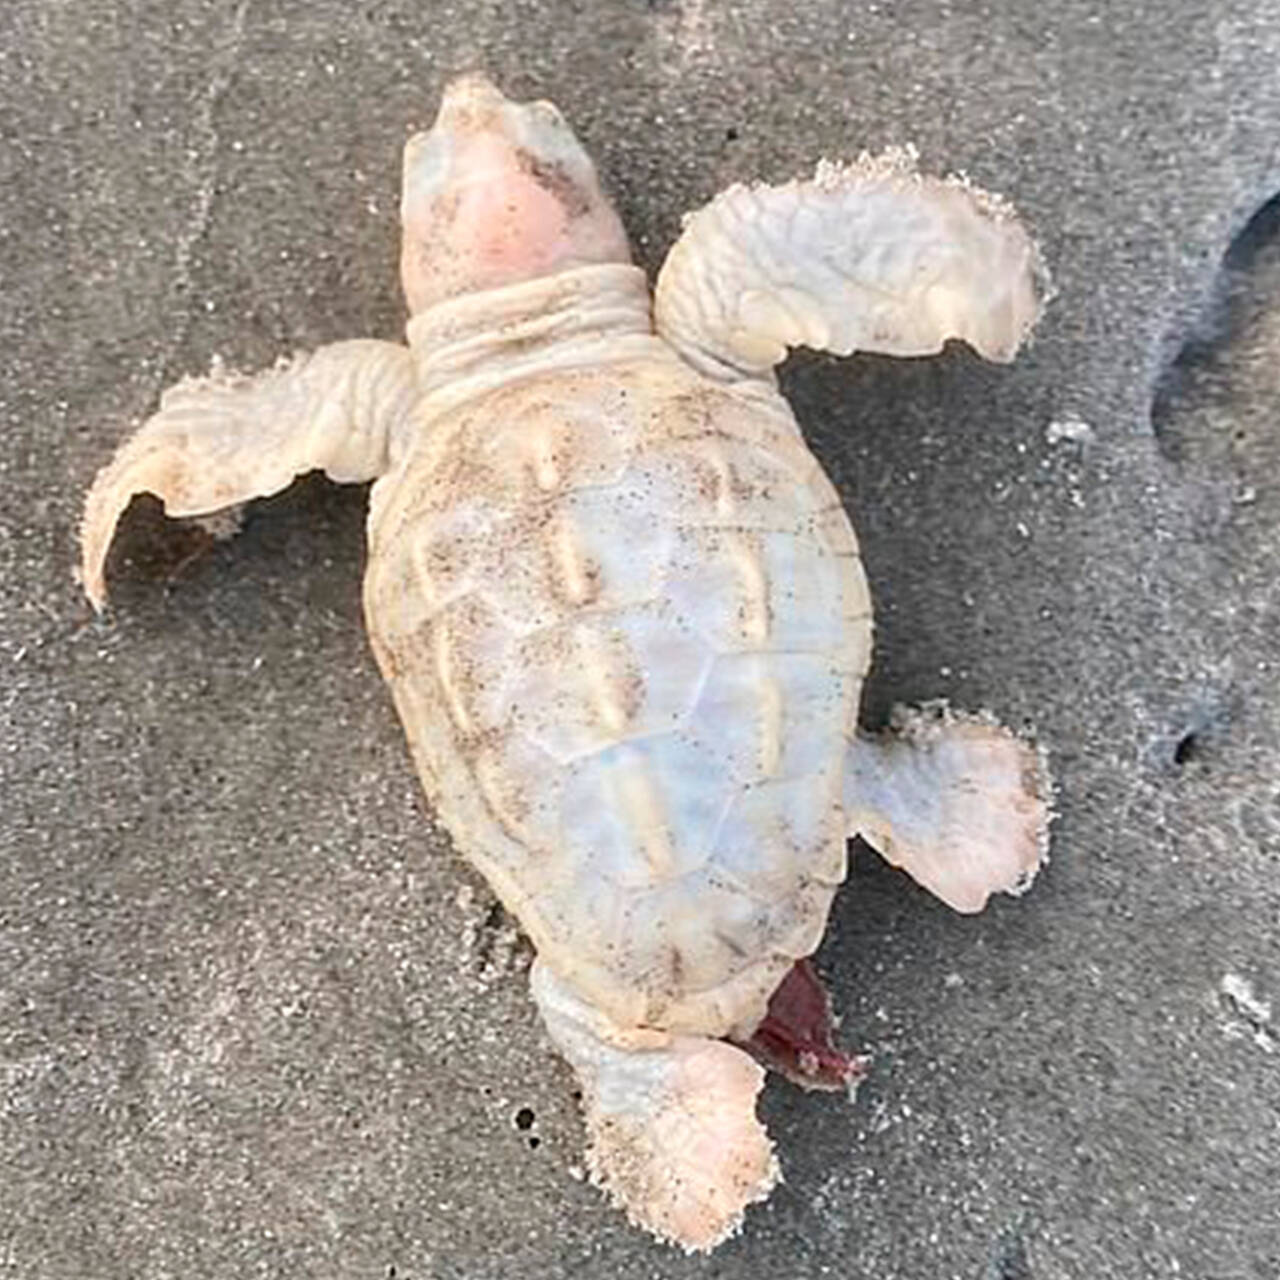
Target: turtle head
[(497, 192)]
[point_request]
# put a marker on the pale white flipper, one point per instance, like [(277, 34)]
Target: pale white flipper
[(959, 803), (221, 440), (671, 1122), (868, 256)]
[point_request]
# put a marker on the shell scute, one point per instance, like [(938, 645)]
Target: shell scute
[(551, 448), (628, 675), (641, 813), (451, 554), (619, 534), (785, 710), (795, 817)]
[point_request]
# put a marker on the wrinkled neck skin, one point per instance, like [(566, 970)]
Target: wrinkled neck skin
[(586, 316)]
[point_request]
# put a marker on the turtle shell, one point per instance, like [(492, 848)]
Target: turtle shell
[(625, 623)]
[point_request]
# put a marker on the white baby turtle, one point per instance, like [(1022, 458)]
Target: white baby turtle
[(621, 608)]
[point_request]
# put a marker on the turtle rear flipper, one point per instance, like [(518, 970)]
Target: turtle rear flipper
[(221, 440), (958, 802), (671, 1122)]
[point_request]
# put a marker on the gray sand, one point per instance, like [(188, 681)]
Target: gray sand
[(257, 1020)]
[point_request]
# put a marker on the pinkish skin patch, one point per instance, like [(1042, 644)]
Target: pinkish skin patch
[(796, 1038)]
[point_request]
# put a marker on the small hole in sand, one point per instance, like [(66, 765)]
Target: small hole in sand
[(1188, 749), (524, 1118)]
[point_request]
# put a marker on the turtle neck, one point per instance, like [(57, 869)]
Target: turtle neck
[(587, 316)]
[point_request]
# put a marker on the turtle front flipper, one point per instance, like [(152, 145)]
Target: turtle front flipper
[(670, 1119), (862, 257), (221, 440), (958, 802)]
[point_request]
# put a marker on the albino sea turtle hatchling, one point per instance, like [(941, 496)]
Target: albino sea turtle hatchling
[(621, 608)]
